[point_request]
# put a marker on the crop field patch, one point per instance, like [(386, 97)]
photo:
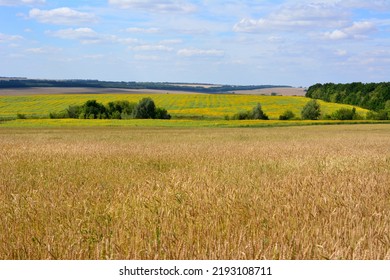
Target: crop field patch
[(214, 106), (313, 192)]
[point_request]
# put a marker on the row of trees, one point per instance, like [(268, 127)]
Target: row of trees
[(27, 83), (256, 113), (372, 96), (311, 111), (144, 109)]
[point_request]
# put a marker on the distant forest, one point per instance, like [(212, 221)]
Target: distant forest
[(372, 96), (28, 83)]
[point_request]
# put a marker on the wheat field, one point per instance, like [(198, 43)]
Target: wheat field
[(319, 192)]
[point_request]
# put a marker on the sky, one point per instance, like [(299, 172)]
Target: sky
[(280, 42)]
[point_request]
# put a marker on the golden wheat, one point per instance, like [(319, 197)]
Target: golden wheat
[(167, 193)]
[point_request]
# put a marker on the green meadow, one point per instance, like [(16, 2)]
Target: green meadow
[(47, 123)]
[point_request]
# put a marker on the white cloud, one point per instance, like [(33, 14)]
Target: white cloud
[(142, 30), (361, 27), (275, 39), (152, 48), (43, 50), (336, 35), (20, 2), (341, 53), (358, 30), (200, 52), (35, 50), (171, 41), (93, 56), (352, 4), (147, 57), (126, 41), (295, 17), (372, 58), (62, 16), (4, 38), (155, 5), (84, 34), (87, 35), (364, 4)]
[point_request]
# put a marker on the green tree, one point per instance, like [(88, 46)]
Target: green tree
[(244, 115), (116, 115), (387, 105), (311, 111), (161, 113), (381, 115), (345, 114), (145, 109), (21, 116), (287, 115), (121, 109), (258, 114), (92, 108), (74, 111), (255, 114)]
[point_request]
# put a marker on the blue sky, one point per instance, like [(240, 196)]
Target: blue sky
[(296, 43)]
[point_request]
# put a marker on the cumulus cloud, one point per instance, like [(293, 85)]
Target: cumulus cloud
[(126, 41), (35, 50), (364, 4), (294, 17), (4, 38), (147, 57), (93, 56), (84, 34), (353, 4), (43, 50), (358, 30), (87, 35), (152, 48), (335, 35), (20, 2), (200, 52), (275, 39), (155, 5), (341, 53), (171, 41), (61, 16), (142, 30)]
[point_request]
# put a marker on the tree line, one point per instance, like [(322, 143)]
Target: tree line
[(372, 96), (311, 111), (27, 83), (123, 109), (146, 109)]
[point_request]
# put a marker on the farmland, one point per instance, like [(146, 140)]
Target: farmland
[(193, 187), (199, 106), (313, 192)]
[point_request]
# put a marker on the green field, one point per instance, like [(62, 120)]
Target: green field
[(187, 106), (36, 123)]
